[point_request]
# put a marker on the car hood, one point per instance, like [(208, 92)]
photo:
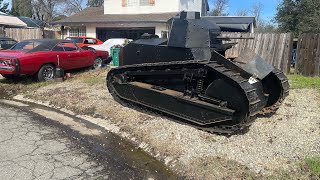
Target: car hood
[(12, 53)]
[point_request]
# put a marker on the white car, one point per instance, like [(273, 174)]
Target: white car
[(110, 43)]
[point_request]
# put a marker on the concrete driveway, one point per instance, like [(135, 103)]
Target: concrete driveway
[(33, 147)]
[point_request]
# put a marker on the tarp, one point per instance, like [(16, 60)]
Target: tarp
[(11, 21)]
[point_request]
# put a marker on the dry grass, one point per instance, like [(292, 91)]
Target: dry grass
[(86, 94)]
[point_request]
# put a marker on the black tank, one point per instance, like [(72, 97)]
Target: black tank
[(188, 78)]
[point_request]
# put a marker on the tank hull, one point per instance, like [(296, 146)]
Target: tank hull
[(205, 94)]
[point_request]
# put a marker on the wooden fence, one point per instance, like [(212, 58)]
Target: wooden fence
[(308, 55), (21, 34), (275, 48)]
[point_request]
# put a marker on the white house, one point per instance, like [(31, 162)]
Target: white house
[(128, 18)]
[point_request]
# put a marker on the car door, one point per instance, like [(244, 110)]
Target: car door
[(62, 57), (76, 57)]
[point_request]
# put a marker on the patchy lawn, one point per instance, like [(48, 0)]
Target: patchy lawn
[(300, 82), (277, 147), (313, 165)]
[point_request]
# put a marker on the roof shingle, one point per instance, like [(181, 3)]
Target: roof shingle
[(94, 15)]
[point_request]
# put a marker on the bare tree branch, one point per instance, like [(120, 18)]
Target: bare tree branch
[(242, 12), (220, 8), (256, 11)]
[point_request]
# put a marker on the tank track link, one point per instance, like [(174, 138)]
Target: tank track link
[(284, 82), (250, 91)]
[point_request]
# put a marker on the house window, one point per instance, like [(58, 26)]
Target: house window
[(77, 31), (133, 3)]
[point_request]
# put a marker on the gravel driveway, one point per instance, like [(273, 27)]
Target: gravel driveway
[(273, 145)]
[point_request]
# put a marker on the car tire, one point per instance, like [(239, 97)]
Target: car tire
[(46, 73), (97, 63), (109, 60)]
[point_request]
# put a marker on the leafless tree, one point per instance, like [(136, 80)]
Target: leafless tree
[(72, 6), (219, 8), (47, 10), (242, 12), (256, 11), (95, 3)]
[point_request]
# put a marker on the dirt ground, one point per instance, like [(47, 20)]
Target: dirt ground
[(273, 148)]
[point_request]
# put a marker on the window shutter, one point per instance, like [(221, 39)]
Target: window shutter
[(124, 3), (152, 2)]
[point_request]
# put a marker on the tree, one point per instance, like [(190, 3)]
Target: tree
[(267, 27), (4, 7), (48, 10), (73, 6), (309, 16), (21, 8), (242, 12), (256, 11), (288, 16), (95, 3), (298, 16), (219, 8)]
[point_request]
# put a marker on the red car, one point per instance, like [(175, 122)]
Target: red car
[(85, 41), (40, 57)]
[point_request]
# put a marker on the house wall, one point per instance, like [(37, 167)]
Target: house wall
[(91, 29), (160, 6), (160, 28)]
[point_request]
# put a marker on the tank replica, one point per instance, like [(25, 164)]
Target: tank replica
[(188, 77)]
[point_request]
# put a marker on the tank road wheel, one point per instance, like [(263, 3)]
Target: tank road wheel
[(97, 63), (46, 72)]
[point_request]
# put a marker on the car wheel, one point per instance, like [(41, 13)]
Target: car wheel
[(109, 60), (46, 72), (97, 63)]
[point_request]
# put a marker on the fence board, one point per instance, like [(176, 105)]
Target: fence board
[(275, 48), (308, 55), (21, 34)]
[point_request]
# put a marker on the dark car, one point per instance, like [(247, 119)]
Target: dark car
[(40, 57), (6, 43)]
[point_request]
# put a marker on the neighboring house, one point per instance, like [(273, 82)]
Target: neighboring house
[(128, 18), (7, 21), (131, 18)]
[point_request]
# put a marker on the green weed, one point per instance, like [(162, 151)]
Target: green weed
[(300, 82)]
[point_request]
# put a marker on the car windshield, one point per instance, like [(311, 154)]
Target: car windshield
[(76, 40), (26, 45)]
